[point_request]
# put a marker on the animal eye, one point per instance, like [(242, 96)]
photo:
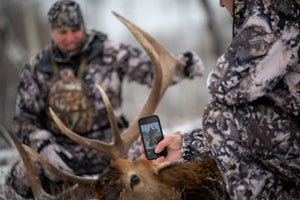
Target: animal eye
[(134, 180)]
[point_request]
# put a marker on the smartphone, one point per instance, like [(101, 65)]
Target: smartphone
[(152, 134)]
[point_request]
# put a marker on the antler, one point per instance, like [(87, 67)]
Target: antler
[(164, 66), (167, 63), (33, 176)]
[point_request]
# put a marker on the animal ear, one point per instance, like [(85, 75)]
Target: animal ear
[(165, 165)]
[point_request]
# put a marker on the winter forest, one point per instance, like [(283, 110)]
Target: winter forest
[(181, 25)]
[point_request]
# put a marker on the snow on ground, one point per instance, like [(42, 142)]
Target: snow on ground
[(183, 127), (7, 158)]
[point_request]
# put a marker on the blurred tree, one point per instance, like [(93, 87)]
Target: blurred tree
[(12, 54), (213, 28)]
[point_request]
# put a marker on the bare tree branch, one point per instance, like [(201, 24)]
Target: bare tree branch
[(212, 28), (13, 50)]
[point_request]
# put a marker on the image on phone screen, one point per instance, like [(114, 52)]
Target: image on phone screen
[(151, 135)]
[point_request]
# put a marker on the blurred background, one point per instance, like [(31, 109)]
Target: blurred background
[(181, 25)]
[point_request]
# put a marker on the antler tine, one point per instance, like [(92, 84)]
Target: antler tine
[(162, 76), (91, 143), (114, 150), (33, 176), (63, 175), (32, 172), (117, 141)]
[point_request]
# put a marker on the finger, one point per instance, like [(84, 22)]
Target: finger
[(142, 149), (143, 155), (162, 144), (161, 159), (140, 140)]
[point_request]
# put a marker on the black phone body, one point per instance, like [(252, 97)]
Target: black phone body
[(152, 134)]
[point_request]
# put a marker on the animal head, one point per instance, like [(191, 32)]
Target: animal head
[(146, 179)]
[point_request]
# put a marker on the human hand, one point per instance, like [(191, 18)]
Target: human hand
[(173, 144)]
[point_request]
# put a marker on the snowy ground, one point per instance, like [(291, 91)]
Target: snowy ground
[(8, 155), (184, 127), (7, 158)]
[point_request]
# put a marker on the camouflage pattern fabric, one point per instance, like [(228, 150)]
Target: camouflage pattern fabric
[(68, 99), (195, 147), (65, 14), (252, 122)]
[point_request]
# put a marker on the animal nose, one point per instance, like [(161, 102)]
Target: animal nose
[(134, 181)]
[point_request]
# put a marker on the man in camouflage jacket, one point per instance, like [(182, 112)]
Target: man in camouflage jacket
[(107, 63), (251, 126)]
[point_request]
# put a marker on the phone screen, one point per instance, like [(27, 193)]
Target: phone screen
[(151, 135)]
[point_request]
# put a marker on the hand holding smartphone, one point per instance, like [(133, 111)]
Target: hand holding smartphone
[(151, 133)]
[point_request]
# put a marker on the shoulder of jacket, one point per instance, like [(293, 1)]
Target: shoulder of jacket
[(42, 61), (98, 34)]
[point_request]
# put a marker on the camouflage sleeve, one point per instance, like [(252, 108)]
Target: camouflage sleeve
[(194, 146), (135, 65), (29, 105), (131, 63), (139, 66), (256, 60)]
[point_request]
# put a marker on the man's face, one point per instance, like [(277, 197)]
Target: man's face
[(67, 39), (228, 4)]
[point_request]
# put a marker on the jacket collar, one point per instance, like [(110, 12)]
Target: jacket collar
[(95, 47)]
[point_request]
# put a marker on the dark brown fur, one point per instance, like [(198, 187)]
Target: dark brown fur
[(176, 180)]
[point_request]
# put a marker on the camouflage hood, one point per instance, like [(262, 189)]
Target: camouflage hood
[(241, 9)]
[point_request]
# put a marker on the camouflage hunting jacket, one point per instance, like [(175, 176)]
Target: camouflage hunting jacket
[(108, 63), (259, 67)]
